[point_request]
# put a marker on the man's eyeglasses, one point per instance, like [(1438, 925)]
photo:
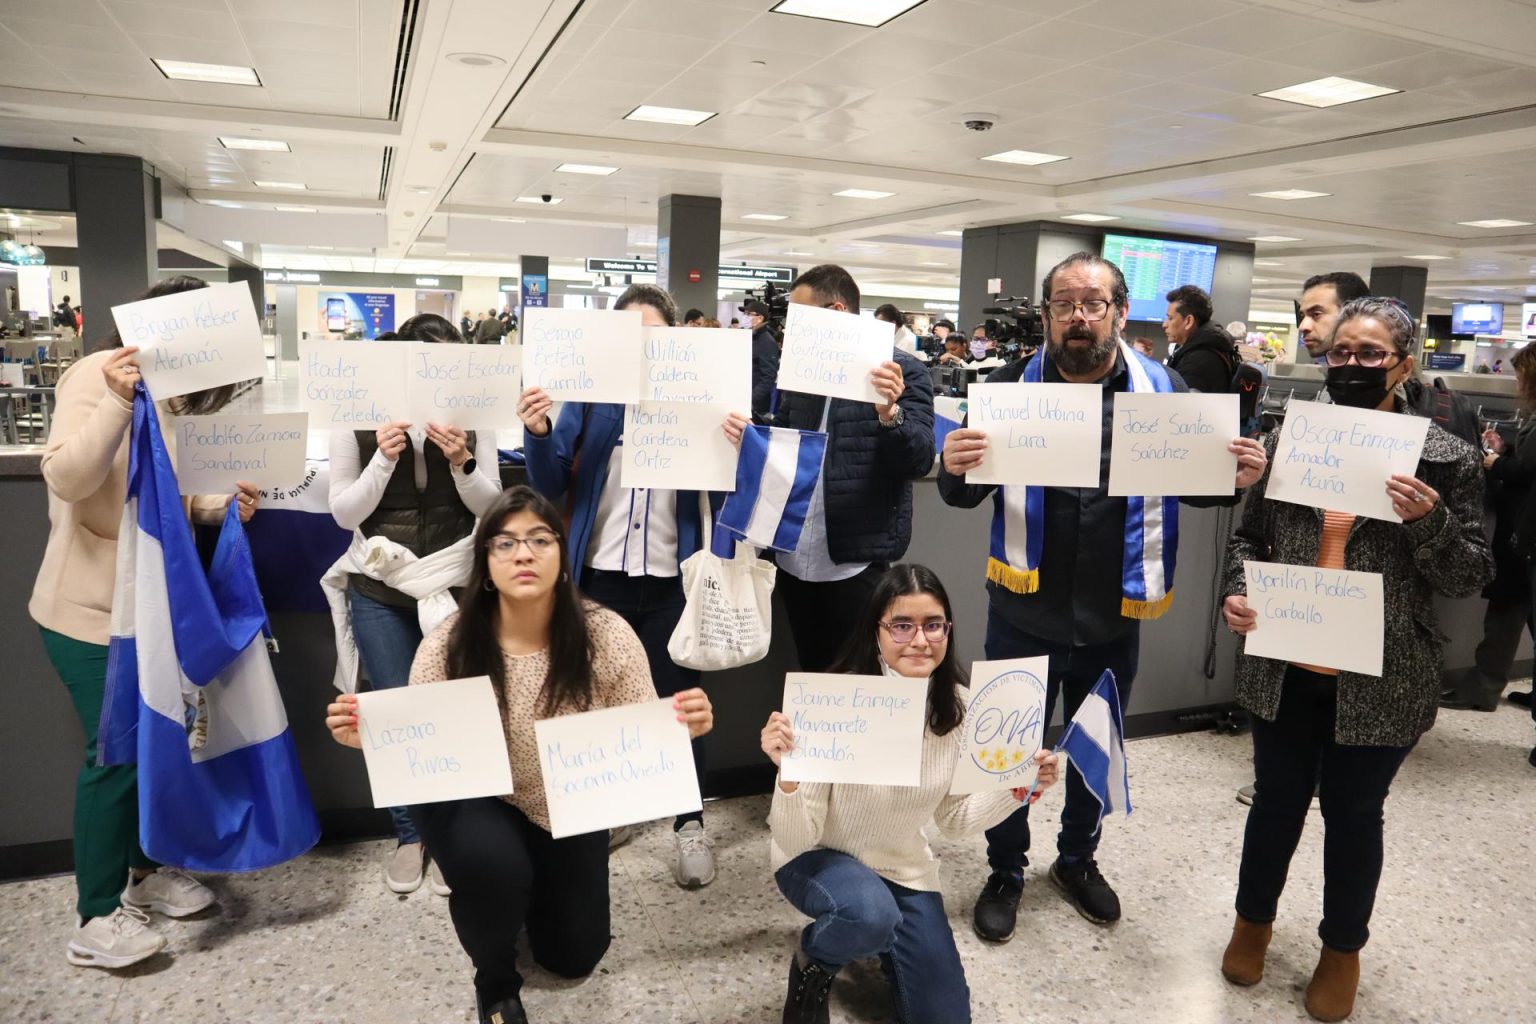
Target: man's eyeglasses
[(504, 546), (1061, 310), (1370, 358), (906, 632)]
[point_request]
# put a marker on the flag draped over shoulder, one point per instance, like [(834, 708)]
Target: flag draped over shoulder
[(191, 698), (1094, 741), (775, 478)]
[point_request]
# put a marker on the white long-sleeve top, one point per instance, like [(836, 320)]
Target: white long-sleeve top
[(882, 826), (356, 490)]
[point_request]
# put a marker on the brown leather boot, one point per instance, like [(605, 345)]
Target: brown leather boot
[(1331, 993), (1243, 962)]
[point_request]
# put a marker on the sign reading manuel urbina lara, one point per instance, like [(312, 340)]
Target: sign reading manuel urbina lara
[(1334, 456), (1327, 617), (854, 729), (194, 340), (353, 385), (616, 766), (583, 355), (831, 353), (439, 741), (214, 453), (1046, 435)]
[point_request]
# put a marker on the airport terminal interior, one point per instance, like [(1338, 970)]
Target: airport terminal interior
[(994, 184)]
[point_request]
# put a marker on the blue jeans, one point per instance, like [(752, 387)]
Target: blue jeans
[(1073, 671), (857, 914), (387, 638)]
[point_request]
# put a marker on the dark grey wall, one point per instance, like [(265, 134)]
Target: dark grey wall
[(34, 179), (688, 238), (115, 229)]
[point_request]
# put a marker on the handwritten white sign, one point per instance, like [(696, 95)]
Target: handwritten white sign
[(215, 452), (1172, 444), (698, 364), (191, 341), (1048, 435), (831, 353), (854, 729), (353, 385), (470, 386), (616, 766), (678, 446), (438, 741), (583, 355), (1333, 456), (1004, 725), (1326, 617)]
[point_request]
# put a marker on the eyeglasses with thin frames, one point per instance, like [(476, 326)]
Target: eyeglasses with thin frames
[(504, 545), (906, 632), (1370, 358)]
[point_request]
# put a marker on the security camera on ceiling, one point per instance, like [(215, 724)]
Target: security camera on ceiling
[(546, 197), (978, 122)]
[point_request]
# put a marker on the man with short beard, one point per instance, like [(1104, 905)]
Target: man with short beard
[(1071, 575)]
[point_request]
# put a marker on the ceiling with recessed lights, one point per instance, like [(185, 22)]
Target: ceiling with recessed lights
[(824, 139)]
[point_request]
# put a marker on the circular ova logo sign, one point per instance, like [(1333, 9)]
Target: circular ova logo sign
[(1005, 724)]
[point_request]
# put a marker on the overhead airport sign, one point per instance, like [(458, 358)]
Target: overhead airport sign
[(733, 271)]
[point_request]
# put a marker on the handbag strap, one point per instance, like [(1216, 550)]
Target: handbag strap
[(706, 527)]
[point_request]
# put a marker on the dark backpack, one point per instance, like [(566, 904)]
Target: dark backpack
[(1247, 383), (1453, 412)]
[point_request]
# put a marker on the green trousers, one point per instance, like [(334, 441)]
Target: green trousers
[(106, 798)]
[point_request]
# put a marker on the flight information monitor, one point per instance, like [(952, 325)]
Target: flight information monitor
[(1153, 267)]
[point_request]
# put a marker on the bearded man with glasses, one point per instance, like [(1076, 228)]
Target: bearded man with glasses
[(1072, 572)]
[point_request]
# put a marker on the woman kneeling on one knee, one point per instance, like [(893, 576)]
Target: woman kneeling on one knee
[(854, 858), (1342, 733), (548, 652)]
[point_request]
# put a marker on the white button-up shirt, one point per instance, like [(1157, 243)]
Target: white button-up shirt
[(635, 531)]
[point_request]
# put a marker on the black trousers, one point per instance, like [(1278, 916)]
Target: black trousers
[(507, 873), (1290, 755), (822, 615), (652, 605)]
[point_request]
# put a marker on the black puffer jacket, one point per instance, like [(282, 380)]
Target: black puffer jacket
[(869, 469), (1207, 360)]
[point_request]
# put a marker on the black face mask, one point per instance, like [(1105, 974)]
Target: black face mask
[(1361, 387)]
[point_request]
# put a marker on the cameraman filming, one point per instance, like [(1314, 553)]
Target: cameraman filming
[(765, 358)]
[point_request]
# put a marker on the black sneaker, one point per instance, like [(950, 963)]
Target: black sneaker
[(809, 988), (997, 908), (1086, 888), (503, 1011), (1520, 698), (1450, 700)]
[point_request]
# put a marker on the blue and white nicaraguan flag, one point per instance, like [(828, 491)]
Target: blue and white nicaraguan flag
[(1094, 741), (775, 478), (191, 697)]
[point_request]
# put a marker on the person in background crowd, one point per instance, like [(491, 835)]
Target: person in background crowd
[(854, 858), (906, 341), (982, 344), (1205, 356), (1511, 471), (693, 318), (64, 314), (735, 321), (765, 360), (489, 330), (449, 477), (627, 544), (466, 325), (548, 652), (1322, 296), (942, 329), (1069, 575), (956, 351), (85, 467), (1142, 345), (1341, 732), (709, 321), (1498, 366), (860, 515)]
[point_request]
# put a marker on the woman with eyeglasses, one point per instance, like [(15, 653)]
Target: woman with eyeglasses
[(854, 858), (1342, 732), (548, 652)]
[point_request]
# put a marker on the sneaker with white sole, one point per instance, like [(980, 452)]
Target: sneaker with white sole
[(121, 938), (403, 872), (695, 865), (618, 837), (435, 880), (168, 891)]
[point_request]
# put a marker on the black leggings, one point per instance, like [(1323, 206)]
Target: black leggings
[(507, 872)]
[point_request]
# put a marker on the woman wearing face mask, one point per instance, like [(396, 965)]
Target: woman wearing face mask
[(854, 858), (548, 652), (1343, 732), (425, 502)]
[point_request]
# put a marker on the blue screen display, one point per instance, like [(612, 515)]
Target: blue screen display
[(1477, 317), (1153, 267)]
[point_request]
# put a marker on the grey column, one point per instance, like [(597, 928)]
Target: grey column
[(288, 320), (687, 246), (115, 226), (1405, 283)]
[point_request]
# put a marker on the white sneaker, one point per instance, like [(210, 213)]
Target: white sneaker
[(403, 873), (168, 891), (617, 837), (436, 882), (695, 865), (121, 938)]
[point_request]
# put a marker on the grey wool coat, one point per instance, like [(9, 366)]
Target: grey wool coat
[(1445, 553)]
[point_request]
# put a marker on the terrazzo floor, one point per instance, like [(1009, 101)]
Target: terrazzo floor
[(322, 941)]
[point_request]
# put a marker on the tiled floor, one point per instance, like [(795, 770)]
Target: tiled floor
[(322, 941)]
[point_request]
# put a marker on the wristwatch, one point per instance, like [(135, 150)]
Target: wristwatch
[(468, 465), (896, 419)]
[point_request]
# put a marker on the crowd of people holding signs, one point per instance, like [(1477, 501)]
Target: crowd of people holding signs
[(534, 655)]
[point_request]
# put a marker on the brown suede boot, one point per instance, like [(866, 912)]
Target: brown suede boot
[(1331, 993), (1243, 962)]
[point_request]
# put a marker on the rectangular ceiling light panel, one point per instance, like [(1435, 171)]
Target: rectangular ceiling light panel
[(869, 13), (222, 74), (1328, 92), (668, 115), (264, 145)]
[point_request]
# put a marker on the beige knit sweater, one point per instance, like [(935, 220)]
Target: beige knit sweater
[(882, 826)]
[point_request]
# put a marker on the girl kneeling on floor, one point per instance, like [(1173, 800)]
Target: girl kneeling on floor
[(854, 858), (548, 652)]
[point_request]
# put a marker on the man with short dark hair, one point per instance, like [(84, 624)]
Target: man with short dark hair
[(1322, 296), (489, 330), (693, 318), (765, 358), (1205, 357)]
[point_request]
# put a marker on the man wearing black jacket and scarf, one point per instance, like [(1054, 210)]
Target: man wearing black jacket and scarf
[(1206, 357)]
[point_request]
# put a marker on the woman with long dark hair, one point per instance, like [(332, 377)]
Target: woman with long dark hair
[(85, 466), (548, 652), (451, 477), (854, 858)]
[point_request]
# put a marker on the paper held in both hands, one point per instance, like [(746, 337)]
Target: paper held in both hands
[(1045, 435), (438, 741), (1004, 725), (1331, 618)]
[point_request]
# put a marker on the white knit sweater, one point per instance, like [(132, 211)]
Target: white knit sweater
[(882, 826)]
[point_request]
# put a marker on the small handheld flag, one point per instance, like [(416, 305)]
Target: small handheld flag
[(775, 478), (1094, 741)]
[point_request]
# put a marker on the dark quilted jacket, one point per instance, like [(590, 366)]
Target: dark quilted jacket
[(869, 469), (1443, 553)]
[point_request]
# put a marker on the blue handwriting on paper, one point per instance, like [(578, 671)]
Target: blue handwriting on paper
[(604, 764)]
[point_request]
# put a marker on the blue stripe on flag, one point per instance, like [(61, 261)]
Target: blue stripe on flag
[(736, 512), (808, 458)]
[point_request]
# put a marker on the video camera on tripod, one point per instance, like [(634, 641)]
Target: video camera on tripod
[(1021, 330), (777, 301)]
